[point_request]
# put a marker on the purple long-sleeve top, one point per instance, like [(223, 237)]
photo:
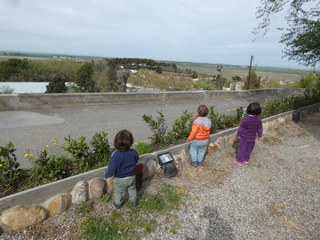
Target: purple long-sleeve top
[(250, 127)]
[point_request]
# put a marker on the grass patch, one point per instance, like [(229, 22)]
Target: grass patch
[(132, 222), (85, 208), (95, 228)]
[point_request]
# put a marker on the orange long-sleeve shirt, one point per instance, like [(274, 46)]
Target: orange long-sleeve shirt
[(200, 129)]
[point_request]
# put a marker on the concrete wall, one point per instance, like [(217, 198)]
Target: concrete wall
[(40, 194), (12, 102)]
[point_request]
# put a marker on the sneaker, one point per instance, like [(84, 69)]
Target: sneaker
[(246, 162), (134, 204), (238, 163), (200, 163), (194, 164), (117, 206)]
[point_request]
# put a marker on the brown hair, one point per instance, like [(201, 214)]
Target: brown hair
[(123, 140), (202, 110)]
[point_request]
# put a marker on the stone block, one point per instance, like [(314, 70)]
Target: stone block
[(80, 192), (20, 217), (96, 188), (59, 204)]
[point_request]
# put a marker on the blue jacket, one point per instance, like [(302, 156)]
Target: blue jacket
[(122, 164)]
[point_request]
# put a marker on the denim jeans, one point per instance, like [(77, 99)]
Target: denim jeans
[(121, 185), (198, 149)]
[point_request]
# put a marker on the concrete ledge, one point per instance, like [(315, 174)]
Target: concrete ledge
[(39, 195), (11, 102)]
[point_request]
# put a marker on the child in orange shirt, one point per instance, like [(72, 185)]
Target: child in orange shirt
[(199, 136)]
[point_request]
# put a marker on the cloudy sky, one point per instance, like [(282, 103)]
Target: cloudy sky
[(209, 31)]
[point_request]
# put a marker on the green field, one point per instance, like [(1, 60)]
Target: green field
[(228, 71)]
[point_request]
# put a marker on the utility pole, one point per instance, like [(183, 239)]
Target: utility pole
[(250, 72)]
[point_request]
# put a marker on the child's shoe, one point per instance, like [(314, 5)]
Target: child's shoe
[(246, 161), (238, 163), (194, 164), (117, 206), (200, 164), (134, 204)]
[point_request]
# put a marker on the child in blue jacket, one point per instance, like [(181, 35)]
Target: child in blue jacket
[(122, 167)]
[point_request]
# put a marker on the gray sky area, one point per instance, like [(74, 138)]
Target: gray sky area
[(209, 31)]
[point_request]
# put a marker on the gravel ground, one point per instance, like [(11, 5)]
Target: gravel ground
[(275, 196)]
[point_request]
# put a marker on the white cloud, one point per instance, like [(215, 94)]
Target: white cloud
[(186, 30)]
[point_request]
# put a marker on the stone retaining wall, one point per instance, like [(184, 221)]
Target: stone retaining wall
[(11, 102), (32, 206)]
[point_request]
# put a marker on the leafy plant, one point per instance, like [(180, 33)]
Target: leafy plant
[(142, 148), (182, 126), (6, 90), (158, 127), (81, 157), (100, 148), (10, 173), (48, 168)]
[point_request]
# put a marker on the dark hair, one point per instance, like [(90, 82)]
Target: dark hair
[(254, 109), (123, 140), (203, 110)]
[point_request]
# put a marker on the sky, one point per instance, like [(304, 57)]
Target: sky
[(204, 31)]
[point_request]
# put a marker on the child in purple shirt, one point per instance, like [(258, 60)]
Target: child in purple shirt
[(250, 128), (122, 167)]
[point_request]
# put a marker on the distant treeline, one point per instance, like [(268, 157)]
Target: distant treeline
[(25, 70)]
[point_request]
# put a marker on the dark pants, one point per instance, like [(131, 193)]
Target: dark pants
[(245, 149)]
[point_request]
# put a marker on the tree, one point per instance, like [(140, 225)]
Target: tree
[(302, 35), (14, 69), (57, 85), (174, 67), (194, 74), (84, 78), (252, 82), (112, 84), (158, 70)]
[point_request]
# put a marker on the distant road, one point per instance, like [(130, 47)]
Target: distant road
[(35, 129)]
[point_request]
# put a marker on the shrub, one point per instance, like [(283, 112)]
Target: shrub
[(6, 90), (142, 148), (182, 126), (100, 148), (10, 173), (81, 157), (158, 127), (48, 168), (57, 85)]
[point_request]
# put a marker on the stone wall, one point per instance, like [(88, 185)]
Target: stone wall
[(32, 206), (11, 102)]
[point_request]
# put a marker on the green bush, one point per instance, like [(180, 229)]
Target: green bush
[(142, 148), (159, 129), (48, 168), (100, 149), (81, 157), (57, 85), (10, 174), (182, 126)]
